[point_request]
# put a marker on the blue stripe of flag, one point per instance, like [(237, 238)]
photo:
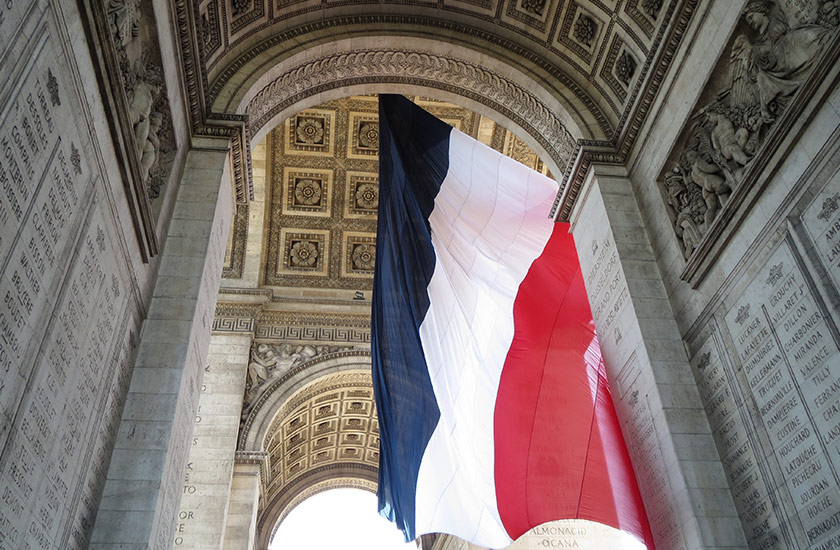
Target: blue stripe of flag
[(413, 162)]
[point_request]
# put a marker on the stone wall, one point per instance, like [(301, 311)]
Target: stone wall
[(67, 252), (757, 302), (77, 269)]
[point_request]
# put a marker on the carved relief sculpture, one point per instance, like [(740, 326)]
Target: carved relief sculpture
[(134, 39), (269, 362), (766, 64)]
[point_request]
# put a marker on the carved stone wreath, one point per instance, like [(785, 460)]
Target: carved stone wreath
[(241, 6), (309, 131), (584, 30), (652, 7), (369, 135), (303, 254), (533, 6), (625, 67), (364, 256)]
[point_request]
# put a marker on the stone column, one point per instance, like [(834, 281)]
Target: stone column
[(674, 455), (145, 478), (241, 526), (207, 480)]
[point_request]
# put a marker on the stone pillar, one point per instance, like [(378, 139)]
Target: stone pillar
[(207, 480), (144, 482), (241, 526), (674, 455)]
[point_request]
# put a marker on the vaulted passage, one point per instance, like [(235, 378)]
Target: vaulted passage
[(188, 195)]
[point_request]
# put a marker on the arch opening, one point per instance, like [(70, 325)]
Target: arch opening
[(338, 517)]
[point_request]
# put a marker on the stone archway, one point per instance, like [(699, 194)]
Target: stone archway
[(428, 68), (317, 430)]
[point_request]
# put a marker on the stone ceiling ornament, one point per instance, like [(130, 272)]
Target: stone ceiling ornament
[(308, 191), (364, 256), (241, 6), (303, 254), (533, 6), (585, 29), (369, 135), (310, 131), (652, 7), (625, 67), (367, 196)]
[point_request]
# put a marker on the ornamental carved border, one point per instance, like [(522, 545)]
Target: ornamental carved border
[(508, 51), (651, 75), (419, 68)]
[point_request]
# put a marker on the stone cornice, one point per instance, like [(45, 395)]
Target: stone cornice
[(618, 150)]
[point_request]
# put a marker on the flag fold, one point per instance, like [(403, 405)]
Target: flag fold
[(495, 414)]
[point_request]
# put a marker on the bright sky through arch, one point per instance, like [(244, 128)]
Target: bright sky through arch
[(339, 518)]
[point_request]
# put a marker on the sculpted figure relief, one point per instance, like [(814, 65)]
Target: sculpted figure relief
[(687, 200), (765, 66), (133, 37), (779, 58), (269, 362), (146, 93)]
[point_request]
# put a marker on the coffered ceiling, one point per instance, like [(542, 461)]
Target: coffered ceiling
[(322, 192), (589, 52)]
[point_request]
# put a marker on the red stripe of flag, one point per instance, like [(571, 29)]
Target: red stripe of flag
[(553, 441)]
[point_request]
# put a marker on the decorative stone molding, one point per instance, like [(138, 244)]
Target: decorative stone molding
[(617, 150), (260, 415), (422, 68), (235, 262), (743, 114), (235, 317)]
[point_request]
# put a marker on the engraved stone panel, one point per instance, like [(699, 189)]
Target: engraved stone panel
[(786, 348), (822, 223), (741, 453)]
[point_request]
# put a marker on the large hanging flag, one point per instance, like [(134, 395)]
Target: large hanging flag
[(494, 411)]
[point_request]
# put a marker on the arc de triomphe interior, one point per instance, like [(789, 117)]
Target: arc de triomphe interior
[(188, 217)]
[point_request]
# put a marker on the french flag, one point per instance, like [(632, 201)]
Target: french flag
[(495, 414)]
